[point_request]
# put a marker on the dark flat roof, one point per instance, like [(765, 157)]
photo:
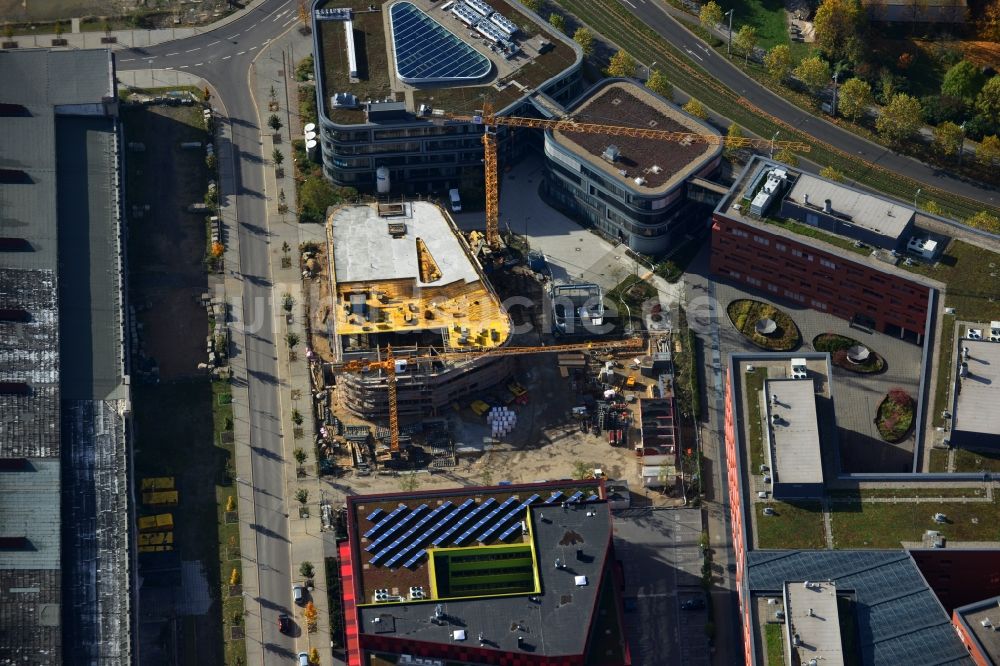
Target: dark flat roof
[(899, 618), (554, 622), (980, 620)]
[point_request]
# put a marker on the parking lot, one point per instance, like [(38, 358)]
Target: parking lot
[(661, 558)]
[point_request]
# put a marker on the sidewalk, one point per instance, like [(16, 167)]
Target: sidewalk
[(309, 542), (75, 39)]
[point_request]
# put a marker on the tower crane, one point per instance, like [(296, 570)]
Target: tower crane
[(391, 365), (492, 121)]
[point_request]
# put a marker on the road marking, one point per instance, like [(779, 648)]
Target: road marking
[(252, 27), (694, 55), (289, 22), (226, 57), (193, 50), (278, 16), (630, 4), (213, 43), (126, 60), (198, 64), (251, 48), (185, 66), (241, 53), (705, 49), (173, 54), (234, 36), (150, 59)]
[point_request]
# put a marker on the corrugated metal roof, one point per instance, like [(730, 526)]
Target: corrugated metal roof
[(29, 507), (900, 620)]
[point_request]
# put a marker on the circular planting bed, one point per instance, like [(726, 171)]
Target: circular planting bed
[(849, 354), (895, 416), (764, 325)]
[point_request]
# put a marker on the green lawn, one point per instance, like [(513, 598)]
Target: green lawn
[(885, 525), (794, 525), (775, 639), (744, 313), (754, 385), (813, 232), (977, 461), (945, 354), (768, 16), (906, 492), (939, 460)]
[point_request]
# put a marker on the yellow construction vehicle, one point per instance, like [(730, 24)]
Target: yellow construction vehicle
[(390, 365), (491, 122)]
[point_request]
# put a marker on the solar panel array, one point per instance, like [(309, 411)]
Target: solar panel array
[(427, 51), (406, 534)]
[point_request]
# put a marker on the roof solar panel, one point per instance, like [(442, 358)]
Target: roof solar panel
[(555, 497), (374, 545), (375, 515), (426, 51), (416, 558), (485, 520), (407, 537), (575, 497), (509, 531), (438, 527), (507, 518), (485, 506), (591, 498), (386, 521)]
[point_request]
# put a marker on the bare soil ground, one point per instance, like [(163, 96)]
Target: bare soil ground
[(164, 11), (167, 245)]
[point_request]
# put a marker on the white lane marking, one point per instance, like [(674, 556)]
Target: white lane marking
[(289, 22), (150, 59), (707, 50), (630, 4), (193, 50), (253, 26), (213, 43), (226, 57), (185, 66), (126, 60), (278, 16), (694, 55), (234, 36), (173, 54), (251, 48), (241, 53), (198, 64)]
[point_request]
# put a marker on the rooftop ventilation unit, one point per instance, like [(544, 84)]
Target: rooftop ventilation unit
[(639, 180), (656, 168), (611, 154)]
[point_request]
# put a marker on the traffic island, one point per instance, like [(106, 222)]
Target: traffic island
[(764, 325)]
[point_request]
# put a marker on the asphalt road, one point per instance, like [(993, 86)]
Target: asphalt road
[(224, 58), (654, 14)]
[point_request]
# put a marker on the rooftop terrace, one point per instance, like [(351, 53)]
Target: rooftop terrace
[(660, 165)]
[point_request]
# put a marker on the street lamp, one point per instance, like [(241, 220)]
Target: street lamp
[(961, 144), (729, 49), (772, 142), (915, 195), (833, 107), (649, 69)]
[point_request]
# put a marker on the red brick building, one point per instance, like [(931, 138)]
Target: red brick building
[(784, 265)]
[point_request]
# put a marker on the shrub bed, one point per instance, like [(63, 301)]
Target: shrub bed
[(744, 313), (895, 416), (837, 346)]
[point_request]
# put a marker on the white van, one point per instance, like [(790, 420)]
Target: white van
[(456, 201)]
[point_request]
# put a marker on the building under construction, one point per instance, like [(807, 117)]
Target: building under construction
[(402, 276)]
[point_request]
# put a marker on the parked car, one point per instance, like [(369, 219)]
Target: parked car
[(299, 594), (284, 624), (693, 604), (303, 659)]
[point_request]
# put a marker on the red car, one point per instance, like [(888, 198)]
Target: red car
[(284, 624)]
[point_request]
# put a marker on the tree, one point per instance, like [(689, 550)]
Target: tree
[(292, 339), (985, 221), (206, 94), (303, 13), (313, 655), (838, 23), (217, 250), (657, 82), (274, 122), (8, 31), (106, 26), (990, 24), (988, 100), (234, 577), (582, 470), (230, 503), (745, 41), (710, 15), (557, 21), (299, 455), (59, 29), (948, 138), (297, 417), (306, 569), (622, 65), (854, 98), (315, 196), (988, 151), (964, 81), (310, 613), (533, 5), (585, 39), (277, 156), (787, 156), (696, 109), (302, 495), (814, 72), (899, 119), (733, 135), (778, 61), (832, 174)]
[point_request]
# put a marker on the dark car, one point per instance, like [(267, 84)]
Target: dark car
[(693, 604), (284, 624)]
